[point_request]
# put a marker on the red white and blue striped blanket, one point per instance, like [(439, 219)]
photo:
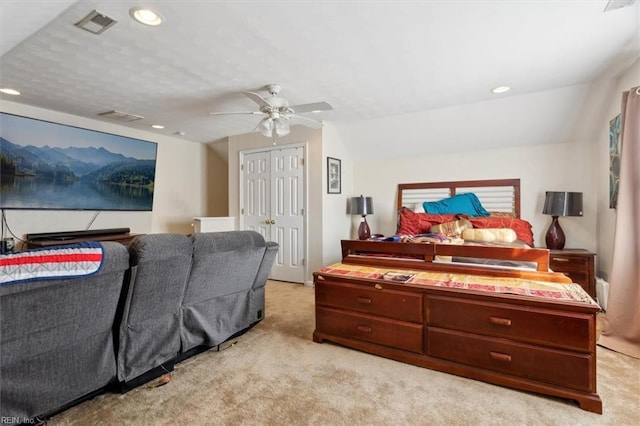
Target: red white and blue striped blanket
[(74, 260)]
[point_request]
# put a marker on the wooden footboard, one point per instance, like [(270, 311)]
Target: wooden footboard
[(425, 256)]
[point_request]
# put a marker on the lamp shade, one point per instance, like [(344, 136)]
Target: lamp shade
[(563, 203), (361, 205)]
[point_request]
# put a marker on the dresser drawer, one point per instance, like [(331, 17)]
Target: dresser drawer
[(540, 326), (396, 334), (560, 262), (393, 304), (578, 264), (564, 368)]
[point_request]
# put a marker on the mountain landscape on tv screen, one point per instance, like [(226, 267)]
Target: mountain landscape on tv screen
[(86, 178)]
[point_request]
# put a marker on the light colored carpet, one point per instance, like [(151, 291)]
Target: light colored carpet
[(276, 375)]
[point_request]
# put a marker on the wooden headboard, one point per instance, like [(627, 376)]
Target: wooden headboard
[(496, 195)]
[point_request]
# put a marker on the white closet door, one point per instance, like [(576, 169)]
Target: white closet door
[(256, 189), (273, 195), (287, 213)]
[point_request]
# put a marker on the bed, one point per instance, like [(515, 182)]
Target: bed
[(502, 234), (526, 328)]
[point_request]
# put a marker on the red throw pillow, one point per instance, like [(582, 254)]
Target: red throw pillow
[(521, 227), (411, 223), (437, 219)]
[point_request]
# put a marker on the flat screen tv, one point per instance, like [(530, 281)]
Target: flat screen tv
[(52, 166)]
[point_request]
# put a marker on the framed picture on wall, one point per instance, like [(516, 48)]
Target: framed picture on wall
[(334, 176)]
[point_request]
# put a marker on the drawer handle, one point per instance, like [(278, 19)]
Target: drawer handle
[(364, 300), (500, 357), (500, 321), (560, 259), (364, 328)]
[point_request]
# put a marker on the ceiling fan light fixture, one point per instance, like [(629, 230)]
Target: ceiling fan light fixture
[(281, 127), (265, 127)]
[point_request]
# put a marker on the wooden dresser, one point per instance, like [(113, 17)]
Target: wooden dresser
[(532, 344), (578, 264)]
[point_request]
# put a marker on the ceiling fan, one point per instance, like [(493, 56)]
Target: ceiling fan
[(278, 112)]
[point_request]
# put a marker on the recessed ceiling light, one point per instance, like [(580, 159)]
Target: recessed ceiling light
[(9, 91), (146, 16), (501, 89), (157, 126)]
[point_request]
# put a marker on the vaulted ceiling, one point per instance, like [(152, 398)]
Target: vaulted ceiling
[(376, 62)]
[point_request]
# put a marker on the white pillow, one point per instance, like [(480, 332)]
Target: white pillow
[(490, 235), (418, 208)]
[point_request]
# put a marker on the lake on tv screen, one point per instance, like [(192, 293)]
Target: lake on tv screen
[(32, 193)]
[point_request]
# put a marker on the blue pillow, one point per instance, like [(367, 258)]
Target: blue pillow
[(468, 204)]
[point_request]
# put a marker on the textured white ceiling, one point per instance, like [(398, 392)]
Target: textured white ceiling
[(372, 60)]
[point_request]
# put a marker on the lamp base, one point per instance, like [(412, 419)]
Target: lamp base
[(364, 233), (555, 235)]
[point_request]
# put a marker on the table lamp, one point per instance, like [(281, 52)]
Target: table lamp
[(363, 206), (560, 204)]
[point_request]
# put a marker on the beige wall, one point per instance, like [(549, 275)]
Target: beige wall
[(179, 187), (606, 217), (336, 223), (216, 185), (557, 167)]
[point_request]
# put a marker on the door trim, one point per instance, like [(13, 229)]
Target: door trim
[(305, 201)]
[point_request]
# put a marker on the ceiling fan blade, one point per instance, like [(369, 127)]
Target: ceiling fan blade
[(236, 113), (257, 99), (316, 106), (304, 121)]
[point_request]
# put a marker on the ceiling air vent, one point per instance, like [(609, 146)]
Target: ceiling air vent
[(120, 116), (95, 22)]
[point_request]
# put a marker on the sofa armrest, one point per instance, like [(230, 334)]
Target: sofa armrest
[(271, 250)]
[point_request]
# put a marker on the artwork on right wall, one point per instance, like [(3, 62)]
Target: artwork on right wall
[(615, 126)]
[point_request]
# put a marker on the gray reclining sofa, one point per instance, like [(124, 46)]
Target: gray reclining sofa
[(57, 340), (169, 297)]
